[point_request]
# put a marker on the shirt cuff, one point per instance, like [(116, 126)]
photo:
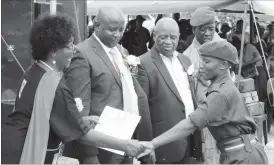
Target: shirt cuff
[(86, 126), (199, 118)]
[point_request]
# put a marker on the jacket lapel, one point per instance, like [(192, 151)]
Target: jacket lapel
[(164, 72), (98, 49), (190, 79)]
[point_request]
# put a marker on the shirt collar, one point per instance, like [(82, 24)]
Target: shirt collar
[(223, 80), (107, 49), (196, 43), (175, 54)]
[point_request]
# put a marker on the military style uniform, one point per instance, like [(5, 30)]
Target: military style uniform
[(203, 16), (226, 115)]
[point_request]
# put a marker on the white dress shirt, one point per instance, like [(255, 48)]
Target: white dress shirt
[(201, 85), (180, 79), (124, 71)]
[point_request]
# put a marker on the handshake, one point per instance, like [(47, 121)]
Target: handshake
[(142, 150)]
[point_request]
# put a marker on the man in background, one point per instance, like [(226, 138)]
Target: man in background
[(142, 36)]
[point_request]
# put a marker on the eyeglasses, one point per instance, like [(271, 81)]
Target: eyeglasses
[(71, 46)]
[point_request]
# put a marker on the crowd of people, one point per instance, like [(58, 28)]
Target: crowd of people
[(252, 54), (191, 111)]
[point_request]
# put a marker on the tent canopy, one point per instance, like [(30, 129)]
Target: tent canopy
[(157, 7), (263, 7)]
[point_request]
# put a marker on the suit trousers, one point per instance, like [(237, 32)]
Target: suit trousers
[(210, 151), (106, 157), (187, 159)]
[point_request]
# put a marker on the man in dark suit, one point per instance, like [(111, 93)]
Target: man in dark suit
[(99, 77), (164, 78)]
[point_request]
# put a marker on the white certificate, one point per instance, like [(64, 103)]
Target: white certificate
[(118, 124)]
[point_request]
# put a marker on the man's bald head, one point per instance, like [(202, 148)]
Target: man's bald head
[(109, 13), (109, 25), (166, 24), (166, 36)]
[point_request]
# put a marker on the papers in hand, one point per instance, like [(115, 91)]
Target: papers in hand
[(118, 124)]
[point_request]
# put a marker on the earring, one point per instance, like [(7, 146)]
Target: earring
[(54, 55)]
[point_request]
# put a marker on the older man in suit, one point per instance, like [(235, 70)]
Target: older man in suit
[(99, 77), (163, 76)]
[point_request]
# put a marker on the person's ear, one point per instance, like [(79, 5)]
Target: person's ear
[(96, 25), (194, 30), (154, 36), (225, 65)]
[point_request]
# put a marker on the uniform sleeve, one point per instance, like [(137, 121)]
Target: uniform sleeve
[(213, 111), (65, 119), (78, 79)]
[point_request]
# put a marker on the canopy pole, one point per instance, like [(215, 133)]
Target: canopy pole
[(259, 37), (53, 4), (251, 26), (242, 46), (77, 20)]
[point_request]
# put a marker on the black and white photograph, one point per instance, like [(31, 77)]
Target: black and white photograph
[(137, 82)]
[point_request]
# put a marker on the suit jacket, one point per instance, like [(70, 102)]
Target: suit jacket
[(165, 103), (93, 78)]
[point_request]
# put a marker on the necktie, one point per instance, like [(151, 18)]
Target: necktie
[(125, 88)]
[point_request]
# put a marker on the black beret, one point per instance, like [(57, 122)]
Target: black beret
[(202, 16), (220, 49)]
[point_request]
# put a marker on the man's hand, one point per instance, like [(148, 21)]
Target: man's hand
[(149, 151), (93, 120), (133, 148)]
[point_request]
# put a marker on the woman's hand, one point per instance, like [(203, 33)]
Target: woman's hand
[(133, 148), (93, 120), (149, 151)]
